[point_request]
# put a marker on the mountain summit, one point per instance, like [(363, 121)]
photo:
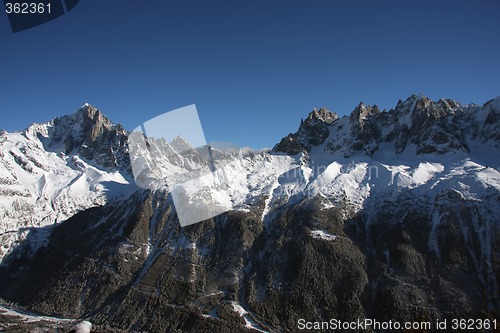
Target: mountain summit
[(431, 127), (382, 215), (90, 133)]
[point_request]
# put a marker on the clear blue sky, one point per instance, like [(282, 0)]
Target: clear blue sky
[(253, 68)]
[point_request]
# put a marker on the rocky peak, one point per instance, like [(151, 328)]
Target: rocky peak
[(487, 120), (422, 106), (449, 105), (93, 123), (436, 127), (312, 132), (430, 108), (179, 144), (88, 110), (88, 133), (322, 114), (362, 112), (408, 105)]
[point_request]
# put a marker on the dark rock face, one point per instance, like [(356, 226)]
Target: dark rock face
[(130, 266), (490, 129), (312, 132), (431, 130), (136, 268), (416, 281), (364, 127), (433, 127)]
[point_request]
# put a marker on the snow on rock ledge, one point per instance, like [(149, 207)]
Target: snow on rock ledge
[(321, 234)]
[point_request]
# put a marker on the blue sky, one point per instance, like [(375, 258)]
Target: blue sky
[(253, 68)]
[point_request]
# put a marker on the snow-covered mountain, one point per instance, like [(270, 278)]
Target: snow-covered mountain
[(421, 148), (380, 214), (51, 171)]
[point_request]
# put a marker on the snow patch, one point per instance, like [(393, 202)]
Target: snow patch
[(29, 317), (249, 321), (426, 171), (83, 327), (321, 234)]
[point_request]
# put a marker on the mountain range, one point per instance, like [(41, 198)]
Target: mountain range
[(384, 215)]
